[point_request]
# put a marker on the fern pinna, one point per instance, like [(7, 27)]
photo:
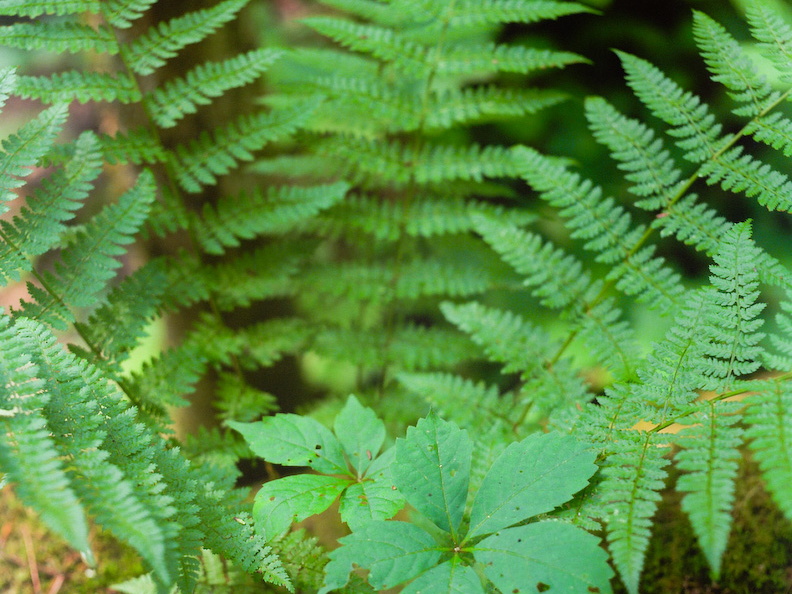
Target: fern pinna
[(692, 401)]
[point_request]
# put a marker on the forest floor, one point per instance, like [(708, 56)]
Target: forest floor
[(35, 561)]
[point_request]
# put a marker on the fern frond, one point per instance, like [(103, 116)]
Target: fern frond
[(28, 453), (495, 12), (739, 172), (427, 216), (781, 356), (264, 273), (34, 8), (59, 37), (116, 326), (769, 416), (89, 262), (634, 476), (641, 154), (138, 146), (166, 379), (774, 36), (470, 59), (711, 458), (410, 348), (80, 398), (417, 278), (731, 66), (239, 401), (122, 13), (23, 150), (399, 164), (733, 339), (558, 278), (239, 541), (607, 227), (455, 398), (692, 122), (774, 130), (82, 86), (382, 43), (176, 98), (249, 215), (198, 163), (259, 345), (504, 336), (41, 221), (151, 50)]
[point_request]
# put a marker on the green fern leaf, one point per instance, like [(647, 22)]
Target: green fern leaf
[(28, 453), (139, 146), (41, 221), (731, 66), (171, 102), (482, 104), (249, 215), (121, 13), (34, 8), (634, 475), (264, 273), (470, 59), (59, 37), (607, 228), (455, 398), (494, 12), (199, 162), (76, 417), (774, 36), (711, 458), (150, 51), (781, 356), (774, 130), (166, 379), (428, 216), (89, 262), (647, 162), (692, 123), (116, 326), (82, 86), (769, 416), (400, 164), (410, 348), (739, 172), (23, 151)]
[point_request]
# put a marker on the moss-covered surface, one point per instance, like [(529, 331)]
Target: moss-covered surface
[(33, 560), (758, 559)]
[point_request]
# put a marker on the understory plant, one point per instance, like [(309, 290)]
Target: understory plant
[(360, 223)]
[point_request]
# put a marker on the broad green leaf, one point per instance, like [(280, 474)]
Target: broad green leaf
[(450, 577), (394, 552), (360, 432), (369, 500), (293, 440), (561, 556), (530, 477), (292, 499), (432, 470)]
